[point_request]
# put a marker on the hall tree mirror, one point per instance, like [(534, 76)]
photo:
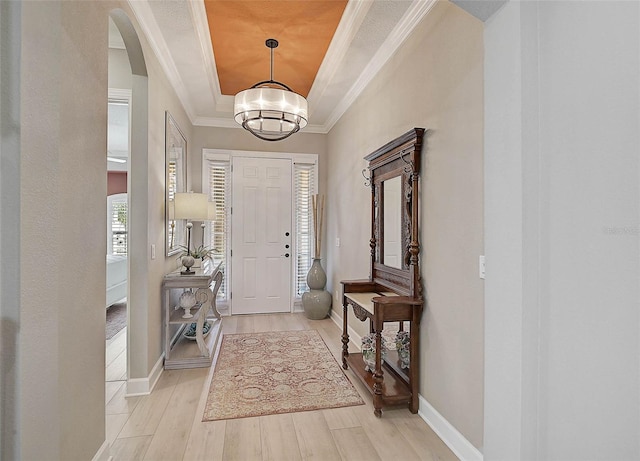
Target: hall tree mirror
[(394, 222), (176, 181), (391, 223)]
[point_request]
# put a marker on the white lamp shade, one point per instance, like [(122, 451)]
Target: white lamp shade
[(191, 206), (270, 111)]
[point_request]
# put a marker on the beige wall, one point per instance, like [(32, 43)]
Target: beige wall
[(152, 95), (435, 81), (63, 192), (161, 98), (59, 408)]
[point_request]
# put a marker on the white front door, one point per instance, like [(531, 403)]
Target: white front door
[(261, 244)]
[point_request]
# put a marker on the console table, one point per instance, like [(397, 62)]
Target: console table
[(179, 351)]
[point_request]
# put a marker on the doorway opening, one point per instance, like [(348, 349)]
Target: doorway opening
[(118, 156), (264, 236), (128, 81)]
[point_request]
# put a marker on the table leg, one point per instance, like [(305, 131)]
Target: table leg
[(378, 376), (167, 313), (203, 296), (345, 335)]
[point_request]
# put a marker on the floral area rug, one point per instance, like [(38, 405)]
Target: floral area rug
[(260, 374)]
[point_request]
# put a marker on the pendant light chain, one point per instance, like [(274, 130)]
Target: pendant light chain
[(271, 76)]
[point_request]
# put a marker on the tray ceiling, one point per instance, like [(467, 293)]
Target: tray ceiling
[(329, 49)]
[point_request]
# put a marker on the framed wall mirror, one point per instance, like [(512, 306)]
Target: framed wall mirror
[(392, 223), (175, 181)]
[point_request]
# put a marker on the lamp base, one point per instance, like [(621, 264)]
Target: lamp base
[(187, 262)]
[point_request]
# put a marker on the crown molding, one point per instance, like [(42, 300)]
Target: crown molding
[(201, 26), (416, 12), (313, 128), (225, 104), (152, 33), (352, 18)]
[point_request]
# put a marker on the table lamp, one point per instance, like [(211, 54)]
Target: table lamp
[(190, 206)]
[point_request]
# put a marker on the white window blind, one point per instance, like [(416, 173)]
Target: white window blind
[(304, 178), (219, 193)]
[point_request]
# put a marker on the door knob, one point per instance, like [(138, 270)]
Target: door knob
[(286, 255), (286, 246)]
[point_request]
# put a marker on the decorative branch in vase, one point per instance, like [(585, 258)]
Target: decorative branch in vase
[(317, 223), (317, 301)]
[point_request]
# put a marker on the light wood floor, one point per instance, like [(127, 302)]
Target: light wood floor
[(166, 425)]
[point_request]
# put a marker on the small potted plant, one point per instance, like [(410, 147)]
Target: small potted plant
[(199, 254), (369, 351), (402, 345)]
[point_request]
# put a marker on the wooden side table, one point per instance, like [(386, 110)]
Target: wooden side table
[(179, 351)]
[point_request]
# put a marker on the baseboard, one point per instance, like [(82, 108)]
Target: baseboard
[(144, 386), (103, 453), (458, 444), (354, 338), (337, 320)]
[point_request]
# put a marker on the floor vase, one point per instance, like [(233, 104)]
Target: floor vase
[(317, 301)]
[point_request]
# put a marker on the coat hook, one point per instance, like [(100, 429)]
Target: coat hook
[(367, 182)]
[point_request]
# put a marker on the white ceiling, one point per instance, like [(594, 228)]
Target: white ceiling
[(369, 33)]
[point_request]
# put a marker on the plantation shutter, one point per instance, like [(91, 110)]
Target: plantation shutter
[(117, 216), (219, 193), (171, 188), (304, 177)]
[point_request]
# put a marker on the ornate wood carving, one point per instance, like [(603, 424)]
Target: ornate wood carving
[(360, 313)]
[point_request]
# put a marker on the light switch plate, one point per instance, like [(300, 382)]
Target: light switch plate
[(481, 266)]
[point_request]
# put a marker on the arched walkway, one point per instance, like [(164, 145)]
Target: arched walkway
[(137, 336)]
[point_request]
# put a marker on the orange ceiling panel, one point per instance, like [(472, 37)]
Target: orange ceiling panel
[(239, 29)]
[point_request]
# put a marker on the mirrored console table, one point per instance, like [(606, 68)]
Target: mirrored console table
[(195, 350)]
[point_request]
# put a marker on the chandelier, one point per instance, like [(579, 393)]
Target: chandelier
[(270, 110)]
